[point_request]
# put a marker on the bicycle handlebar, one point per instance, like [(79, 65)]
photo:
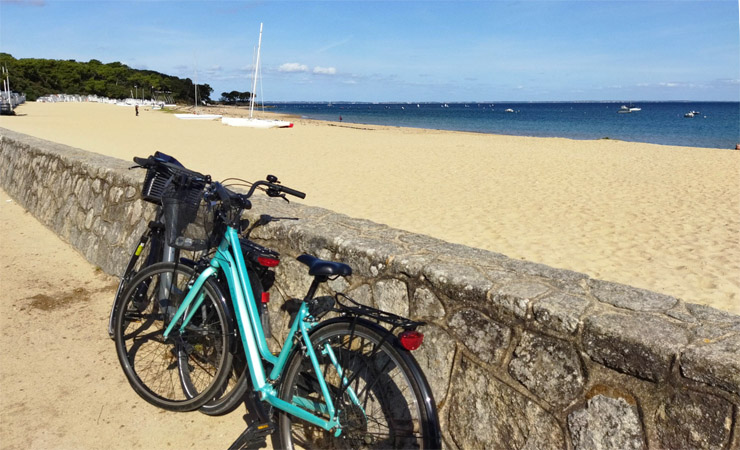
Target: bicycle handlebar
[(292, 192), (274, 188), (230, 198)]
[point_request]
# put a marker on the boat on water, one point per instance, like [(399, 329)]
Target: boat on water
[(691, 114), (509, 110), (628, 109), (251, 121)]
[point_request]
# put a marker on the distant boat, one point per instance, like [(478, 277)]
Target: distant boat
[(509, 110), (628, 109), (195, 115), (253, 122), (692, 114), (8, 99), (198, 116)]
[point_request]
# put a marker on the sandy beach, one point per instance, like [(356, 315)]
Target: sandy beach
[(657, 217)]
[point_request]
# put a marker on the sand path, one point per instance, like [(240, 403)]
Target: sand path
[(61, 386)]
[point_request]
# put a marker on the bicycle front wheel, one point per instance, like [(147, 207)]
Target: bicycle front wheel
[(389, 403), (186, 370), (145, 254)]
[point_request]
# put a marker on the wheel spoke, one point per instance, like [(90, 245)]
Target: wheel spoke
[(391, 411), (181, 372)]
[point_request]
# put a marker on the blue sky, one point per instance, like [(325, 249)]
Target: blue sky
[(403, 50)]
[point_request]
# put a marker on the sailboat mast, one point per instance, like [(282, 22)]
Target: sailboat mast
[(195, 100), (256, 68)]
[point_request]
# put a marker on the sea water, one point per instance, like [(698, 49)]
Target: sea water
[(716, 126)]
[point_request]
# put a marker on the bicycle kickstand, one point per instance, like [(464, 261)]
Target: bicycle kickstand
[(255, 435)]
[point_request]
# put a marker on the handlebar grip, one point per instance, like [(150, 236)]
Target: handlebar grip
[(144, 162), (292, 192), (223, 194), (228, 197)]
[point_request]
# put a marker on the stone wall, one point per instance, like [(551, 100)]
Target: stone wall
[(519, 355)]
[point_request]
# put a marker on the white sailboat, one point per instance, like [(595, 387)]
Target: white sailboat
[(195, 115), (628, 109), (251, 121)]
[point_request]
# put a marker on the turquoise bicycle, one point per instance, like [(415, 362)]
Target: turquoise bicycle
[(348, 381)]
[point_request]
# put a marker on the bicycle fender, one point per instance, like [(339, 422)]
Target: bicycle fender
[(429, 402)]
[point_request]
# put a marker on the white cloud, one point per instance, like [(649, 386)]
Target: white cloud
[(325, 70), (293, 67)]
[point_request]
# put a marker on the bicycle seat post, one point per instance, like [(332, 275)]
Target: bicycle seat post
[(317, 280)]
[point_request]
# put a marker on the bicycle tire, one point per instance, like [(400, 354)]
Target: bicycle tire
[(397, 408), (233, 392), (142, 257), (156, 368), (238, 384)]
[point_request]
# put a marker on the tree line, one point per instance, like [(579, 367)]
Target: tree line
[(39, 77)]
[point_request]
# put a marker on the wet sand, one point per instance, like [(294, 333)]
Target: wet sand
[(662, 218)]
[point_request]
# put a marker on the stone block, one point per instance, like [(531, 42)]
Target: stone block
[(714, 362), (485, 413), (628, 297), (458, 282), (693, 420), (483, 337), (560, 312), (392, 296), (638, 344), (548, 368), (606, 423), (712, 323), (411, 265), (425, 304), (362, 294), (516, 296)]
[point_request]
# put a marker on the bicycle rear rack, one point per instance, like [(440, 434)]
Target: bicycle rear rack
[(376, 315)]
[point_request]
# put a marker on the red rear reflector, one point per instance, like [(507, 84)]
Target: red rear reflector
[(267, 262), (411, 340), (265, 297)]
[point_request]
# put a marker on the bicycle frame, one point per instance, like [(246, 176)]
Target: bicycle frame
[(230, 261)]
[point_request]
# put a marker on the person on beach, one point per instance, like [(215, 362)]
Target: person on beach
[(136, 107)]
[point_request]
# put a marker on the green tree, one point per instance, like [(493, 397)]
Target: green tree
[(39, 77)]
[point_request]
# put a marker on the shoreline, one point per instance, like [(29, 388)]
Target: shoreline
[(579, 121), (658, 217)]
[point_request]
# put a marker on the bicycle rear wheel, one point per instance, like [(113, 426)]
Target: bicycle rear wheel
[(395, 408), (185, 371)]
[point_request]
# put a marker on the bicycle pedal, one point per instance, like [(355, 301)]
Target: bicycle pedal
[(254, 437)]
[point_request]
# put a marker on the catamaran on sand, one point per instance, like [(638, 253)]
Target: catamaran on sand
[(252, 121)]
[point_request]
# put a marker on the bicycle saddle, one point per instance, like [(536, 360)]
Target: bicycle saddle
[(320, 267)]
